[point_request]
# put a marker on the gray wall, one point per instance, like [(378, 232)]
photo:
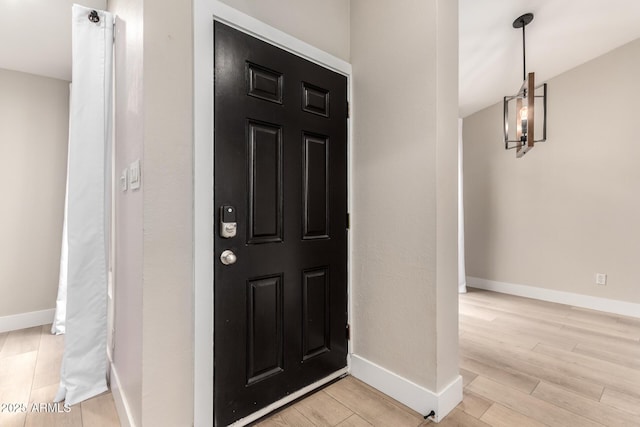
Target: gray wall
[(570, 207), (34, 130), (404, 187)]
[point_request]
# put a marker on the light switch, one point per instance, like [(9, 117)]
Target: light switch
[(123, 179), (134, 175)]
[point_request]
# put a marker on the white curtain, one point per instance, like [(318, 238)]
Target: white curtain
[(57, 327), (84, 363), (462, 275)]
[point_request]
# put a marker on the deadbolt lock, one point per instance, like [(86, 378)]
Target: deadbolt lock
[(228, 222)]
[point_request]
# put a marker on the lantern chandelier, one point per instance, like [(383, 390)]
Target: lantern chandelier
[(529, 114)]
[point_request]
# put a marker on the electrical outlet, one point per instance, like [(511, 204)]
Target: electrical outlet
[(601, 279)]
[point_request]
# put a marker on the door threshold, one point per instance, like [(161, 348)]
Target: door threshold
[(290, 398)]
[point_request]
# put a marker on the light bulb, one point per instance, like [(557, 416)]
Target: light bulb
[(523, 123)]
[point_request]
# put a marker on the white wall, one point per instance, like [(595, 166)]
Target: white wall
[(324, 25), (128, 221), (446, 160), (570, 207), (404, 188), (153, 356), (167, 360), (34, 129)]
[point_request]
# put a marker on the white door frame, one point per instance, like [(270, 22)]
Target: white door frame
[(204, 12)]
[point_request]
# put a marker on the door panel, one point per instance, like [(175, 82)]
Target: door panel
[(265, 183), (316, 187), (316, 313), (280, 154), (264, 328)]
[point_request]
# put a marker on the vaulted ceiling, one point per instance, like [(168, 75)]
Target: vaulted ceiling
[(36, 38), (563, 35)]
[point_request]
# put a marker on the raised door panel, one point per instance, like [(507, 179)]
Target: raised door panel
[(316, 187), (265, 182), (315, 312), (264, 328)]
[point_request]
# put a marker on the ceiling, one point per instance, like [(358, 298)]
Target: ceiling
[(36, 38), (563, 35), (36, 35)]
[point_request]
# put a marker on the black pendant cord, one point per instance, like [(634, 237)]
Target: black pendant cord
[(521, 22), (524, 56)]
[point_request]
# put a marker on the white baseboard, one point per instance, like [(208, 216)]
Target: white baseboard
[(26, 320), (551, 295), (119, 398), (418, 398)]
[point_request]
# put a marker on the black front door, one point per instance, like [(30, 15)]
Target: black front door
[(281, 176)]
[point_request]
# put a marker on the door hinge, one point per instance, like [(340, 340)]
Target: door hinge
[(348, 110), (348, 332), (348, 221)]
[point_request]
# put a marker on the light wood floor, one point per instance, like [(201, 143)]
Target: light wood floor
[(524, 363), (346, 403), (532, 363), (30, 373)]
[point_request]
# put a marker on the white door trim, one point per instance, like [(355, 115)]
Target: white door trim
[(204, 12)]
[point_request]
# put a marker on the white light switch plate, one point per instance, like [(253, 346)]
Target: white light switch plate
[(134, 175), (123, 180)]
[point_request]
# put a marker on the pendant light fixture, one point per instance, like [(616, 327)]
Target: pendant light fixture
[(528, 115)]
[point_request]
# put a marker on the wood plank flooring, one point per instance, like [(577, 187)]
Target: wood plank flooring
[(348, 402), (29, 377), (523, 363), (539, 363)]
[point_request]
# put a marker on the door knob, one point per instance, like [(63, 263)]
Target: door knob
[(227, 257)]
